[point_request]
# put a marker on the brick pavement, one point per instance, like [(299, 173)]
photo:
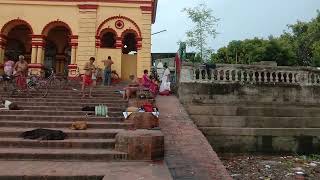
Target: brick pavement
[(188, 154)]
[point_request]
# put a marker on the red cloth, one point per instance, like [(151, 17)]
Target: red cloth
[(165, 93), (21, 82), (148, 107), (87, 80), (154, 88), (146, 81)]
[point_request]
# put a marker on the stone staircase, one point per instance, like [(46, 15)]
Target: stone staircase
[(57, 111), (262, 127)]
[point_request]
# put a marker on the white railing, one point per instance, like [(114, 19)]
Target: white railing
[(250, 74)]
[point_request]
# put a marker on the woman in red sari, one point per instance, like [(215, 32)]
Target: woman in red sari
[(146, 80)]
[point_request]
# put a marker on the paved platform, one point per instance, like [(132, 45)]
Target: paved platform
[(108, 171), (188, 154)]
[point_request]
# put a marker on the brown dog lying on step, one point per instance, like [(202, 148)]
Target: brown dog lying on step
[(79, 125)]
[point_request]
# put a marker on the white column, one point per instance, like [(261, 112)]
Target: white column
[(39, 55), (1, 55), (73, 55), (34, 55)]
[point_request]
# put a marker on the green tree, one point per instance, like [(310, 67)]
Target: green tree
[(204, 29)]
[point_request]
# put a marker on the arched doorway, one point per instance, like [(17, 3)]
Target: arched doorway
[(129, 55), (50, 57), (108, 40), (58, 42), (19, 42)]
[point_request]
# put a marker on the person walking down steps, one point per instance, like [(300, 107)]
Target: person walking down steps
[(87, 78)]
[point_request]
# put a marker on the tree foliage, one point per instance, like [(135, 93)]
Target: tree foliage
[(298, 46), (204, 29)]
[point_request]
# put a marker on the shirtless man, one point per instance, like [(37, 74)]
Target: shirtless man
[(21, 67), (21, 72), (87, 78), (107, 71)]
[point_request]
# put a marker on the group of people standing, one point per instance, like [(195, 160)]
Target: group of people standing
[(18, 69)]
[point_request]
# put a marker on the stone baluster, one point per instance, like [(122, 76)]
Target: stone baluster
[(242, 75), (224, 75), (265, 77), (194, 74), (236, 75), (206, 78), (259, 76), (254, 79)]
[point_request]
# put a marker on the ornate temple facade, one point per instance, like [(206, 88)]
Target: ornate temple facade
[(64, 34)]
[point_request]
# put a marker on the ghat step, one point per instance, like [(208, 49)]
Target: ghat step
[(52, 113), (47, 124), (70, 101), (67, 143), (226, 131), (14, 132), (61, 154), (57, 118), (66, 108), (82, 104), (256, 121), (259, 110)]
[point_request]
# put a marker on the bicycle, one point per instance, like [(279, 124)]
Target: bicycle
[(33, 87), (72, 82), (52, 81)]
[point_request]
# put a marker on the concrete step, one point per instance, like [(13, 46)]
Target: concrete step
[(53, 113), (83, 170), (71, 101), (65, 108), (73, 93), (61, 154), (67, 143), (230, 131), (81, 134), (274, 111), (256, 121), (77, 104), (57, 118), (47, 124)]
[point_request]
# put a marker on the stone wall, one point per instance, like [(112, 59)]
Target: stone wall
[(244, 108)]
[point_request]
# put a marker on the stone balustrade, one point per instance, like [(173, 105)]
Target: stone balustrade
[(250, 74)]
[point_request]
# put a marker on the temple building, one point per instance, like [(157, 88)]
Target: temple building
[(64, 34)]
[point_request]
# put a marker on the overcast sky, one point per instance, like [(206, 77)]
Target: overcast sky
[(239, 19)]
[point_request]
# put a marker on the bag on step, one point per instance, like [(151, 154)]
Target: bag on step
[(88, 108), (101, 111)]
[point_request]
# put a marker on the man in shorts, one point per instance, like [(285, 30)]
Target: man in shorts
[(87, 78)]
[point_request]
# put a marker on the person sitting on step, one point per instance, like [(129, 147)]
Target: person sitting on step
[(131, 89)]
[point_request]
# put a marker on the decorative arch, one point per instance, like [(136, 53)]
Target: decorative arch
[(120, 18), (106, 30), (130, 31), (54, 24), (13, 23)]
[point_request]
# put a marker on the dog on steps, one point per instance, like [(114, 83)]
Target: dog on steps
[(79, 125), (44, 134)]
